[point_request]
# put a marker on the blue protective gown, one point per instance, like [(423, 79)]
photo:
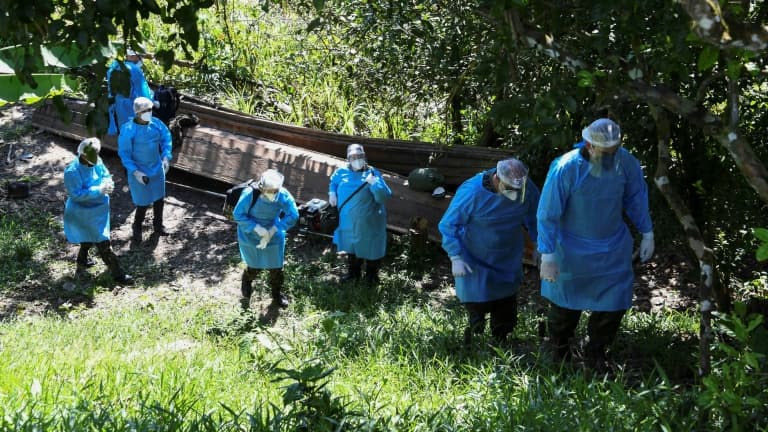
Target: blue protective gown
[(142, 148), (485, 229), (362, 227), (267, 214), (580, 221), (123, 106), (86, 213)]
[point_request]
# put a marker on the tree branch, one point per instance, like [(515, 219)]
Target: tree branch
[(711, 25)]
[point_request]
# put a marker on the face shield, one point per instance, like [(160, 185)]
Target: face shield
[(356, 157), (513, 177), (603, 160), (88, 150)]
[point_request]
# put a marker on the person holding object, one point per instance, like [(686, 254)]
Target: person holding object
[(86, 213), (144, 146), (483, 235), (122, 99), (585, 246), (361, 194), (261, 228)]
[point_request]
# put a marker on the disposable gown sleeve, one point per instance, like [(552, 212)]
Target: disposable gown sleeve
[(533, 196), (241, 212), (635, 199), (76, 189), (125, 148), (140, 84), (333, 185), (291, 213), (166, 147), (456, 217), (551, 207), (380, 190)]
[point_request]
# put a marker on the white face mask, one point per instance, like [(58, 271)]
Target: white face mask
[(270, 196), (147, 116), (357, 164)]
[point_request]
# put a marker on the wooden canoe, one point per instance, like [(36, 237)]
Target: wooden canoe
[(233, 158)]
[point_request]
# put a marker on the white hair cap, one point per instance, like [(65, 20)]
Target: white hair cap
[(354, 149), (130, 52), (142, 104), (271, 179), (512, 172), (92, 143), (602, 133)]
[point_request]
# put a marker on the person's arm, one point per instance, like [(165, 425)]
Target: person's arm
[(333, 186), (532, 196), (290, 211), (551, 206), (455, 218), (166, 141), (378, 187), (77, 189), (241, 212), (125, 149), (635, 198)]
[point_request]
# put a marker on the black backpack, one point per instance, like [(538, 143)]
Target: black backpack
[(233, 196), (169, 100)]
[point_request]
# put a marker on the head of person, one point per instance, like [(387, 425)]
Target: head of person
[(356, 157), (88, 151), (269, 184), (602, 140), (132, 56), (510, 179), (142, 107)]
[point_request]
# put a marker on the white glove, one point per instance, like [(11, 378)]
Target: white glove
[(332, 200), (260, 231), (370, 179), (459, 268), (156, 104), (263, 243), (140, 177), (106, 187), (549, 270), (166, 165), (646, 246)]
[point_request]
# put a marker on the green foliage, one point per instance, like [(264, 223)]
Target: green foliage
[(762, 250), (735, 391), (25, 240)]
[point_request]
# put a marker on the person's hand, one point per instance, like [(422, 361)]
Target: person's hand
[(260, 231), (459, 268), (370, 179), (141, 177), (106, 187), (263, 243), (166, 165), (332, 200), (646, 246), (549, 270)]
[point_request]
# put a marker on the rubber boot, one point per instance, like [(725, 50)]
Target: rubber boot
[(372, 271), (157, 210), (138, 221), (355, 268), (113, 264), (246, 287), (276, 278), (82, 259)]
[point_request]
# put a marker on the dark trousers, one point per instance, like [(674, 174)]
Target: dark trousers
[(503, 314), (275, 281), (601, 327), (141, 212), (106, 254), (355, 268)]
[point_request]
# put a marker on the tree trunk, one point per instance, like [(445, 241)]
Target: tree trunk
[(695, 239)]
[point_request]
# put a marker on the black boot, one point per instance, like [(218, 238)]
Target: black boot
[(276, 278), (113, 264), (138, 221), (372, 271), (355, 267), (82, 259), (246, 287), (157, 210)]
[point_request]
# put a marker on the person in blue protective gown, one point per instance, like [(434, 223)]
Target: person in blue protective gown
[(585, 245), (361, 194), (261, 228), (121, 104), (482, 232), (144, 146), (86, 212)]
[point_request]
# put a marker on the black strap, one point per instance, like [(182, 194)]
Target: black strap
[(359, 188)]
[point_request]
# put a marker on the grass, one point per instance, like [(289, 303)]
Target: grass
[(366, 359)]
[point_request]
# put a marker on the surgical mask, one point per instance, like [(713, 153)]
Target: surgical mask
[(147, 116), (357, 164), (270, 196)]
